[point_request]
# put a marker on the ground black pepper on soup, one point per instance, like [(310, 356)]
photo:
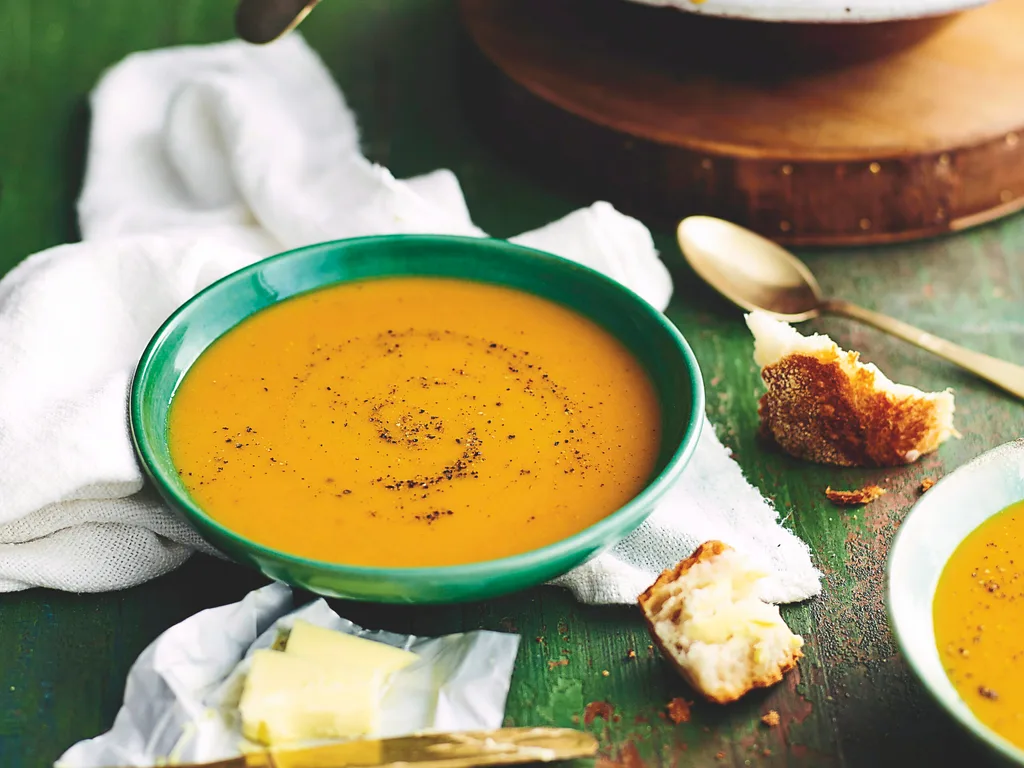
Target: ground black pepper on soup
[(979, 622), (414, 422)]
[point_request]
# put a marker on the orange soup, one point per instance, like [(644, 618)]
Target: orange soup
[(979, 622), (414, 422)]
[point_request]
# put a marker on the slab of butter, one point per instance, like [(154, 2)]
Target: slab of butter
[(324, 685), (342, 651)]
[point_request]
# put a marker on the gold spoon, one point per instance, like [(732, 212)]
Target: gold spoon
[(263, 21), (755, 273)]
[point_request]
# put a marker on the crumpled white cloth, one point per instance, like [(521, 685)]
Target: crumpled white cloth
[(202, 160)]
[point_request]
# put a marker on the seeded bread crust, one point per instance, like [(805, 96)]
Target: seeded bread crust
[(650, 603), (814, 411), (825, 406)]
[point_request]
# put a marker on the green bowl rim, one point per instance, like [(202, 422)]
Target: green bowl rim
[(974, 726), (535, 557)]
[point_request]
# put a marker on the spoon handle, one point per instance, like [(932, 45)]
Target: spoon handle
[(1003, 374)]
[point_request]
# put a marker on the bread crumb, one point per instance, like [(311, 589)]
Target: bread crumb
[(679, 710), (630, 654), (864, 495), (720, 755), (709, 623), (771, 718), (823, 405), (927, 483), (558, 663), (605, 673), (596, 709)]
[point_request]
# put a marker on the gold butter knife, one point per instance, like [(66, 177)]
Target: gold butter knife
[(505, 746)]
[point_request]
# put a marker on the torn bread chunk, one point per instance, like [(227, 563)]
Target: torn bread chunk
[(825, 406), (705, 616)]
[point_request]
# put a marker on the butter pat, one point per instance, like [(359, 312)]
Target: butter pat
[(289, 698), (324, 685), (341, 651)]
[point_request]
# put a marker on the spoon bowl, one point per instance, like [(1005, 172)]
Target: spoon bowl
[(750, 271), (758, 275)]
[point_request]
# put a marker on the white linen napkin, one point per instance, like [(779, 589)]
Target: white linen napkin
[(203, 160)]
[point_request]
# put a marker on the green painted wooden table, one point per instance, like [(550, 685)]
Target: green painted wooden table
[(64, 657)]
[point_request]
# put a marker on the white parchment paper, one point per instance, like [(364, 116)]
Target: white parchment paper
[(181, 697)]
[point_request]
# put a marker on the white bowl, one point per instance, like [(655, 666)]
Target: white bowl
[(930, 533), (821, 11)]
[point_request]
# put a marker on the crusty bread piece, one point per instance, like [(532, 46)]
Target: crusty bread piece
[(824, 405), (705, 616), (856, 497)]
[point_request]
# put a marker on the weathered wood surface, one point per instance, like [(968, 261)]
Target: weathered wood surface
[(64, 657), (698, 114)]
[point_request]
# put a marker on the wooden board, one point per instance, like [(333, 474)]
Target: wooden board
[(852, 702), (667, 114)]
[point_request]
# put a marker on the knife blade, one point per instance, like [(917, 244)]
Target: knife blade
[(504, 746)]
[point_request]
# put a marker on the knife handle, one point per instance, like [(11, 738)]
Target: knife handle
[(505, 746)]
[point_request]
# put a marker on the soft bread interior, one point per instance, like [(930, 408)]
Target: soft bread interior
[(721, 636)]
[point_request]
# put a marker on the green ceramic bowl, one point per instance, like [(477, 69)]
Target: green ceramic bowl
[(653, 339), (929, 535)]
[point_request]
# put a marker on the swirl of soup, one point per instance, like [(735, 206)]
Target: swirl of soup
[(414, 421)]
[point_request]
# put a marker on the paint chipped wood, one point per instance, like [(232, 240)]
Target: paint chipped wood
[(852, 700)]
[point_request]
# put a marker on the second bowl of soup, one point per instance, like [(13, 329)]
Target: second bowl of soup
[(415, 419), (954, 593)]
